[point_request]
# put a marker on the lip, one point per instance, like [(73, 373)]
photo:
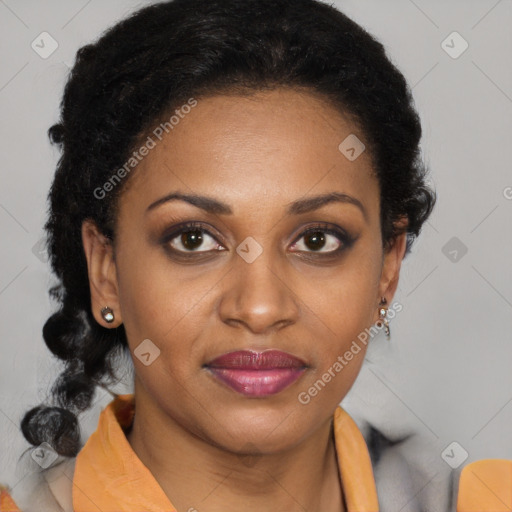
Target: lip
[(257, 373)]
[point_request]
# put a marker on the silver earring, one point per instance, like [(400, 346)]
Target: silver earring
[(383, 313), (107, 314)]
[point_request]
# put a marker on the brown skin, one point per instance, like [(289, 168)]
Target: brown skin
[(257, 154)]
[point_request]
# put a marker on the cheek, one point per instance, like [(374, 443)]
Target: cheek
[(343, 301), (342, 312), (357, 296), (162, 303)]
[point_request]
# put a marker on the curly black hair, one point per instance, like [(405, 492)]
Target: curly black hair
[(148, 64)]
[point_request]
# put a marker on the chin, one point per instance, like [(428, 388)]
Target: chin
[(263, 426)]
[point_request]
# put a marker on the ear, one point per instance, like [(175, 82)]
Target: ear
[(101, 266), (391, 264)]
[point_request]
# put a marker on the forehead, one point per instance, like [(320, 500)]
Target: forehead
[(277, 145)]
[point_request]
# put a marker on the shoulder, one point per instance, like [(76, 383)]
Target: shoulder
[(48, 489), (404, 466), (486, 484)]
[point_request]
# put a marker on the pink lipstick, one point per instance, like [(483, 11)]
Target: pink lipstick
[(257, 373)]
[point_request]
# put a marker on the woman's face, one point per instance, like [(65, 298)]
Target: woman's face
[(246, 276)]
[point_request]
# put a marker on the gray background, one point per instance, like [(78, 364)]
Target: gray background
[(446, 374)]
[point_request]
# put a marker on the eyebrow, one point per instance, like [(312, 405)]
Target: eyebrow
[(211, 205)]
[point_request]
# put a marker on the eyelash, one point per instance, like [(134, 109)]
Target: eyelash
[(345, 239)]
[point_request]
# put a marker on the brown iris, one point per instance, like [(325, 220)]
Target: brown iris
[(192, 239)]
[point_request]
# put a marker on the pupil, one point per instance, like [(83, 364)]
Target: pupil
[(191, 239), (317, 238)]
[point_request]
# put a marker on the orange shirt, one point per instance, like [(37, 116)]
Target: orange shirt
[(486, 486), (109, 477), (6, 502)]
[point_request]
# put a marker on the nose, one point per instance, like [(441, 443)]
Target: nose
[(257, 295)]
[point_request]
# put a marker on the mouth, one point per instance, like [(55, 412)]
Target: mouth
[(257, 374)]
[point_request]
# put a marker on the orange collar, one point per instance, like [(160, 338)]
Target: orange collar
[(109, 477), (486, 485)]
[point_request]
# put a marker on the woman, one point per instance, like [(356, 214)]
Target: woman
[(238, 186)]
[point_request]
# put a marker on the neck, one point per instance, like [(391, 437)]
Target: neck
[(198, 475)]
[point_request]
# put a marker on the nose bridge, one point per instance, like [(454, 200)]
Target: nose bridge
[(257, 295)]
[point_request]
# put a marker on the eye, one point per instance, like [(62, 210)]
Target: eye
[(192, 237), (323, 239)]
